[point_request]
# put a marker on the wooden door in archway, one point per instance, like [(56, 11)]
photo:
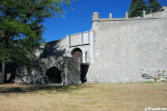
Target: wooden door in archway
[(77, 53)]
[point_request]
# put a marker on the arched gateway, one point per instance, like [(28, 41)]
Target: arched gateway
[(77, 53)]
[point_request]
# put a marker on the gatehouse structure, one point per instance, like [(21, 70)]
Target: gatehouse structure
[(118, 50)]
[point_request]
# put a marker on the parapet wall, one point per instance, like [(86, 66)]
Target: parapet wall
[(127, 47), (79, 39)]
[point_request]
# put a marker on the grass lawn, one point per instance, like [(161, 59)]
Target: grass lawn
[(87, 97)]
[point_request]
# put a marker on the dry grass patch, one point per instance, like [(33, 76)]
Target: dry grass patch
[(87, 97)]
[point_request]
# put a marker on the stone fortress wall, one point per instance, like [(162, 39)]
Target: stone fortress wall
[(119, 50), (115, 50), (125, 48)]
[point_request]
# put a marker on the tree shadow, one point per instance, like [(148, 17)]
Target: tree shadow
[(36, 74), (53, 49), (34, 88)]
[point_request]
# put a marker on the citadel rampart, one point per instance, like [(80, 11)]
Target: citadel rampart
[(120, 49), (126, 48)]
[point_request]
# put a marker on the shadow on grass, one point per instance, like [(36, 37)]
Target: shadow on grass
[(33, 88)]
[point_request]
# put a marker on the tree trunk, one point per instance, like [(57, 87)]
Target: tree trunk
[(5, 73), (2, 73)]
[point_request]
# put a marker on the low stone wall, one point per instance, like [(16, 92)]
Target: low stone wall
[(73, 71), (69, 68), (27, 75)]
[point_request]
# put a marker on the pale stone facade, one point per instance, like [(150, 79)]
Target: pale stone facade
[(121, 49)]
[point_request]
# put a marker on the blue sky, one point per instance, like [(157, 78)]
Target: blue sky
[(78, 19)]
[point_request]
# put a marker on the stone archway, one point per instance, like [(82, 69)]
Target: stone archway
[(54, 75), (77, 53)]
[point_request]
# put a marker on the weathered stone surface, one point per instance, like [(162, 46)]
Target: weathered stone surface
[(118, 50), (156, 76), (69, 68), (73, 69), (30, 76), (124, 47)]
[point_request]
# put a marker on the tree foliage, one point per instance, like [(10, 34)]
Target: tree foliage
[(137, 7), (21, 27), (154, 6)]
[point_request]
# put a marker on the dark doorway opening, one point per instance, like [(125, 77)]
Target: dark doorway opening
[(10, 71), (54, 75), (84, 70)]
